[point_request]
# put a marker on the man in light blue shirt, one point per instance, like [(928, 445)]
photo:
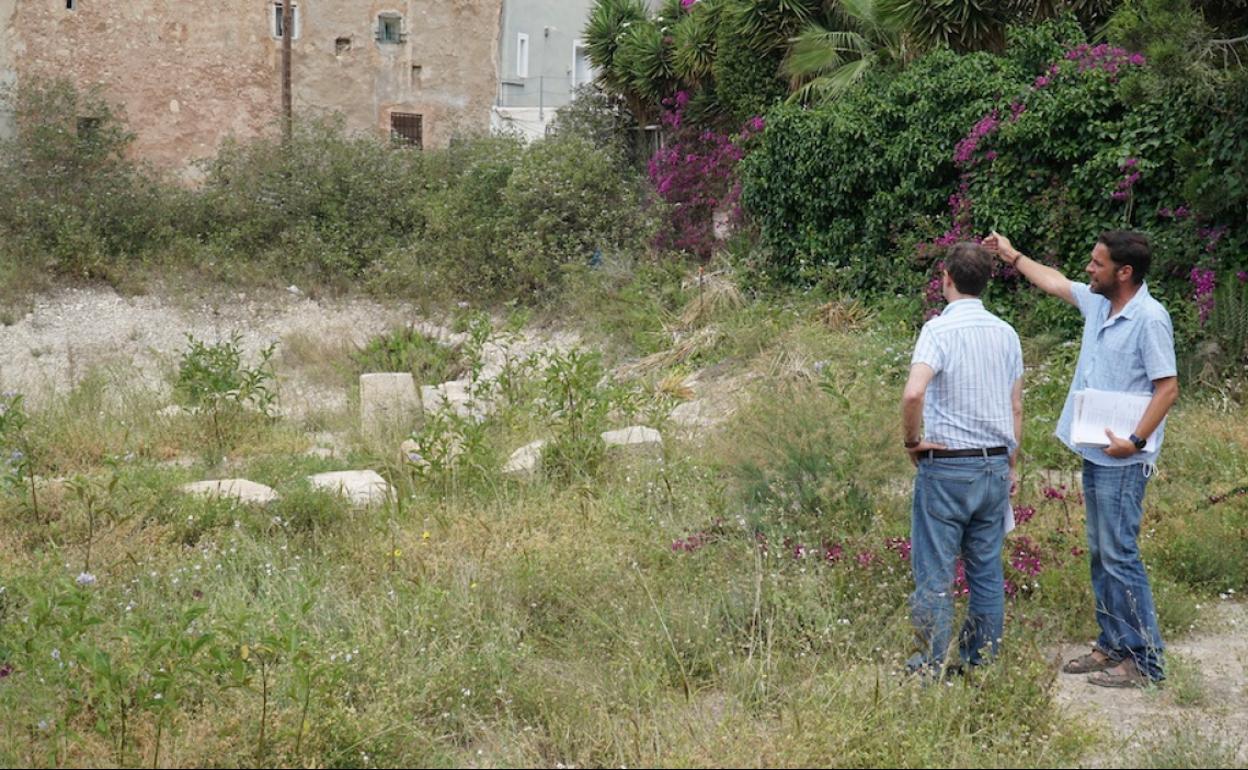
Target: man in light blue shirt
[(1128, 346), (966, 384)]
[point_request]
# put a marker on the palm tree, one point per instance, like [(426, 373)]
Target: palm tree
[(821, 62), (609, 21), (963, 25), (694, 37), (767, 24)]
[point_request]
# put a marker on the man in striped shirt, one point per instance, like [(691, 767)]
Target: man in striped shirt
[(965, 388)]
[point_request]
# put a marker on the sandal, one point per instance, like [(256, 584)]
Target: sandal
[(1125, 675), (1086, 664)]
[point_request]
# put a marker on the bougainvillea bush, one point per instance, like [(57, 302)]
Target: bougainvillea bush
[(696, 172), (1050, 145)]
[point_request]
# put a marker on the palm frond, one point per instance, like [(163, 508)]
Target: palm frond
[(818, 50), (694, 40), (609, 21), (827, 87)]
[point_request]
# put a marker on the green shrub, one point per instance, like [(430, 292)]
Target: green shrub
[(1207, 548), (71, 201), (327, 202), (502, 218), (566, 203), (836, 189), (214, 380), (407, 350)]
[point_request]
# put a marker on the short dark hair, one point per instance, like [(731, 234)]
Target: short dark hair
[(970, 267), (1128, 247)]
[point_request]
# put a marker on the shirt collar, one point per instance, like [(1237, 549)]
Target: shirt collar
[(961, 304), (1129, 310)]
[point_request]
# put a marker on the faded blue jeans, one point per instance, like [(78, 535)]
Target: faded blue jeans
[(959, 508), (1114, 496)]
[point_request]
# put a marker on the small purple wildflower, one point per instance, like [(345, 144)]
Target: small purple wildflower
[(899, 546), (1023, 514)]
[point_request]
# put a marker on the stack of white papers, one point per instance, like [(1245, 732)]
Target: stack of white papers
[(1096, 410)]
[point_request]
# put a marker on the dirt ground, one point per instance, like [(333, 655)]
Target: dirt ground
[(1199, 715)]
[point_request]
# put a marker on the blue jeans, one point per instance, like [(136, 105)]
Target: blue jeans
[(959, 509), (1114, 496)]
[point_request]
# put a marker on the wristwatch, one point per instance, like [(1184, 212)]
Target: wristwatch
[(1139, 442), (910, 444)]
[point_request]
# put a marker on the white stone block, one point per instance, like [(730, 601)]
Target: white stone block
[(242, 490), (387, 399), (633, 437), (526, 460), (360, 487)]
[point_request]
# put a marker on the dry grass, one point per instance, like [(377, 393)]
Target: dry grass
[(844, 315), (321, 359), (675, 386), (685, 348), (713, 296)]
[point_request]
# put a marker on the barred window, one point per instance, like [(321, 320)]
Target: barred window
[(407, 128), (390, 29)]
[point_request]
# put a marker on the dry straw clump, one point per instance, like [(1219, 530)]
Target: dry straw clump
[(843, 315), (712, 295), (685, 348)]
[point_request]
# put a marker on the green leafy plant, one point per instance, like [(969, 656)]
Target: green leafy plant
[(16, 462), (577, 397), (407, 350), (213, 379)]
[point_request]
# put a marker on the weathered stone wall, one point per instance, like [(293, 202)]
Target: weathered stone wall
[(189, 74), (7, 7), (446, 70)]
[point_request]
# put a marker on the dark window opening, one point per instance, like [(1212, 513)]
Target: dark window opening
[(390, 29), (342, 45), (417, 71), (407, 129), (70, 5)]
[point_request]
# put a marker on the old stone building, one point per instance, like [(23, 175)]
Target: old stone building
[(189, 74)]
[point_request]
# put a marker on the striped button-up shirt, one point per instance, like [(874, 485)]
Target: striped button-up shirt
[(977, 359)]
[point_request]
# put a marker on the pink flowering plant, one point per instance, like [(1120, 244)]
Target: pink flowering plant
[(696, 174)]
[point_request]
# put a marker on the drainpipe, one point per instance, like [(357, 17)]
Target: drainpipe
[(288, 32)]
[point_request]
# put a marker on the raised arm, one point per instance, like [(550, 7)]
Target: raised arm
[(1046, 278)]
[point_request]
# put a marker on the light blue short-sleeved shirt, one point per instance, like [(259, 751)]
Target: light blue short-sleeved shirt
[(1124, 353), (977, 359)]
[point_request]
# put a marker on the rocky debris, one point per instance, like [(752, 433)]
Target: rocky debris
[(242, 490), (454, 397), (364, 488), (696, 414), (526, 460)]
